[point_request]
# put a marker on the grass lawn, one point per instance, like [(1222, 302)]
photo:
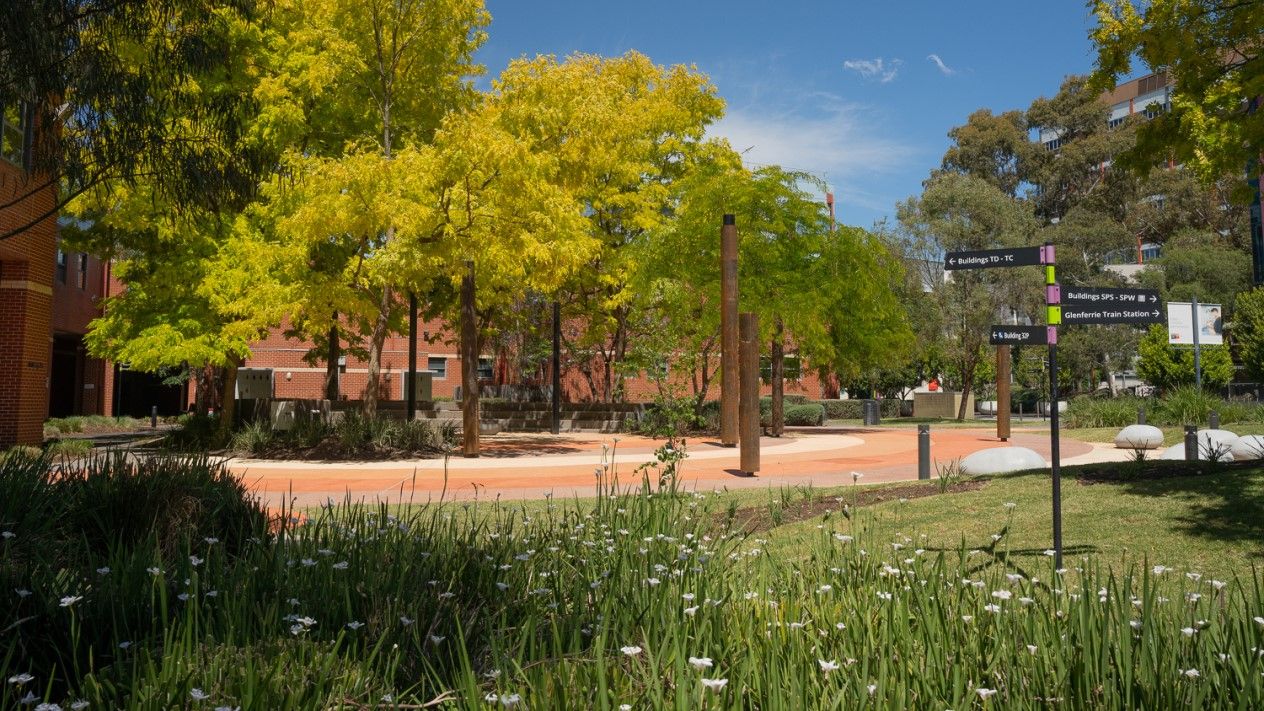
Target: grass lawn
[(1210, 523), (1171, 434)]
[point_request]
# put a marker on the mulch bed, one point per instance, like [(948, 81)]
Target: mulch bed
[(758, 518)]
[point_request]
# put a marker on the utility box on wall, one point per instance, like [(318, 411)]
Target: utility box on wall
[(425, 386), (254, 383)]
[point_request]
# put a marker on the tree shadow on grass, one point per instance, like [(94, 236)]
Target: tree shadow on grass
[(1225, 501)]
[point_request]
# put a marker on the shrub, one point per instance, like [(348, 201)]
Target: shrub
[(854, 409), (1187, 406), (255, 438), (197, 433), (1102, 412), (72, 448), (810, 415)]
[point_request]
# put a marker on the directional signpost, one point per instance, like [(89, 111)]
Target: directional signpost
[(1019, 335), (1069, 306), (993, 258), (1028, 257)]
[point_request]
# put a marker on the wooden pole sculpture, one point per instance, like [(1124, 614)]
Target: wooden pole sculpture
[(750, 394), (729, 366), (469, 365)]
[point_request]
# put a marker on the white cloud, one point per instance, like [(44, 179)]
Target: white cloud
[(838, 141), (878, 68), (944, 68)]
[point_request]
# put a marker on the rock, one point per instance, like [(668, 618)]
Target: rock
[(1139, 437), (1044, 409), (1217, 439), (1177, 451), (1249, 447), (1000, 460)]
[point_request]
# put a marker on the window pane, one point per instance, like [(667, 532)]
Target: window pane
[(438, 366), (484, 368), (83, 271)]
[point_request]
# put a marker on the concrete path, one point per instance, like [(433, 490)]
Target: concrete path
[(520, 466)]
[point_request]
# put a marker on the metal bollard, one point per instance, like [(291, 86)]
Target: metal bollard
[(1191, 443), (153, 415), (1141, 416), (1213, 420), (923, 451)]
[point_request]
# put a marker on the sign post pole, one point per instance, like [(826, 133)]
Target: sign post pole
[(1053, 301), (1002, 392)]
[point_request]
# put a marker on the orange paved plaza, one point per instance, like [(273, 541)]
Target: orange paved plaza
[(520, 466)]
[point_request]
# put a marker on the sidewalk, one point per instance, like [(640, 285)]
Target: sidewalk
[(522, 466)]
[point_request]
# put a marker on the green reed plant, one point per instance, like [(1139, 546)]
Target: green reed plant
[(647, 595)]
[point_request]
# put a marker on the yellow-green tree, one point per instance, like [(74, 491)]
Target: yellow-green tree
[(1212, 50), (352, 85)]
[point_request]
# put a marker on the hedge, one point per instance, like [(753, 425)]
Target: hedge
[(854, 409), (809, 415)]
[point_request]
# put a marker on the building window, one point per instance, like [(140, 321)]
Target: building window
[(61, 267), (484, 368), (438, 366), (13, 134), (83, 271)]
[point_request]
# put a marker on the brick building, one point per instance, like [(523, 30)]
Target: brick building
[(26, 284)]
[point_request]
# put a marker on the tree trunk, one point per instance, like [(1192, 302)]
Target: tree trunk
[(778, 379), (372, 390), (228, 412), (470, 418), (331, 363), (967, 384)]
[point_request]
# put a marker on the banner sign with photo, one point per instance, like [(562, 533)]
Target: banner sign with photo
[(1180, 324)]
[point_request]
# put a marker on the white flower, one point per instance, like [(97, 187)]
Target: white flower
[(873, 688), (631, 650), (199, 695), (1010, 505), (840, 626), (1218, 584), (125, 645), (70, 600), (985, 693), (687, 597), (1050, 552), (1159, 569), (7, 534), (827, 667), (625, 707), (154, 570), (238, 708), (1135, 624), (306, 562), (21, 679), (354, 625), (22, 592), (691, 610), (1191, 673), (1002, 594), (1026, 601), (48, 707), (700, 662), (405, 620), (79, 705), (715, 684), (884, 595), (211, 540), (1188, 631), (502, 586), (341, 565), (992, 608), (1194, 576), (1259, 621), (652, 581), (195, 561), (825, 588), (510, 700), (436, 639), (1031, 649), (855, 476), (967, 618), (104, 570)]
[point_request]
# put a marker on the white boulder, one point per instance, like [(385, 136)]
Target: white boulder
[(1139, 437), (1000, 460), (1177, 451), (1249, 447), (988, 407)]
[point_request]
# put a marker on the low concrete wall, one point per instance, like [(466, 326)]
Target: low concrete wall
[(941, 404)]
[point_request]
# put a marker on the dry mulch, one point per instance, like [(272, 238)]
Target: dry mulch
[(758, 518)]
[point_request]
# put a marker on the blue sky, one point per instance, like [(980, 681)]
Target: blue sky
[(850, 91)]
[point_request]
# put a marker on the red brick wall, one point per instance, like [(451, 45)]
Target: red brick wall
[(26, 303)]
